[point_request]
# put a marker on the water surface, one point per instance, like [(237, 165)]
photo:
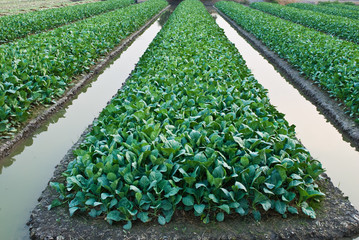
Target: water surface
[(320, 137), (26, 172)]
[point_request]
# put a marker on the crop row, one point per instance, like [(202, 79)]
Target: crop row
[(193, 130), (347, 5), (327, 10), (341, 27), (17, 26), (36, 70), (328, 61)]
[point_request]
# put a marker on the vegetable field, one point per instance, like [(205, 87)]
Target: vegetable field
[(38, 69), (187, 132), (328, 61), (192, 131), (344, 28), (340, 5), (12, 27), (348, 13)]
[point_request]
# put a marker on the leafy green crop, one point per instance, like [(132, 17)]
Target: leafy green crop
[(38, 69), (341, 27), (344, 5), (328, 61), (193, 130), (17, 26), (353, 14)]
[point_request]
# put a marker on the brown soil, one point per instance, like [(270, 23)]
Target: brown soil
[(34, 124)]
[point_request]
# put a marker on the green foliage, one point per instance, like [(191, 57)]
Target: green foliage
[(341, 27), (330, 62), (341, 5), (352, 14), (38, 69), (193, 130), (16, 26)]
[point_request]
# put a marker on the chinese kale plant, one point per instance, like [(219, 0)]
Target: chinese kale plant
[(191, 130)]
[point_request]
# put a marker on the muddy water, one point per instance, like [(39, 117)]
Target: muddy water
[(25, 173), (320, 137)]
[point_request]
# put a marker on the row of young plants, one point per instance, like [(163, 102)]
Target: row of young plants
[(330, 62), (192, 130), (341, 27), (38, 69), (17, 26), (352, 14), (343, 5)]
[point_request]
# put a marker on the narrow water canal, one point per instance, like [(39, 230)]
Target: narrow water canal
[(320, 137), (25, 173)]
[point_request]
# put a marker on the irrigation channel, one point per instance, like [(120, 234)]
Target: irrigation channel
[(320, 137), (25, 173)]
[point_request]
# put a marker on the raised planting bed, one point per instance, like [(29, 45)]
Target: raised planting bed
[(21, 25), (347, 5), (352, 14), (336, 219), (40, 69), (344, 28), (321, 99), (191, 132), (329, 62)]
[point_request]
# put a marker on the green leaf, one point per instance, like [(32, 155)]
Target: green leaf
[(244, 161), (292, 210), (161, 220), (257, 215), (213, 198), (238, 185), (280, 207), (143, 216), (210, 178), (218, 172), (173, 192), (166, 205), (128, 225), (114, 216), (220, 217), (307, 210), (72, 210), (55, 203), (111, 176), (225, 208), (200, 157), (188, 200), (266, 205), (199, 208), (138, 196)]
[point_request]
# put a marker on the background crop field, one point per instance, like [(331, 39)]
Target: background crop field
[(8, 7)]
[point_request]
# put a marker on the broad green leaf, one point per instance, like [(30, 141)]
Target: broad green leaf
[(220, 217), (161, 220), (199, 208), (188, 200)]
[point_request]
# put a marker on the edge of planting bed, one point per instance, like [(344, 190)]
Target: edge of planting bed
[(7, 146), (336, 218), (325, 104)]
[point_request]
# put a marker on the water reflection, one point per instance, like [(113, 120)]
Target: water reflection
[(26, 172), (324, 141)]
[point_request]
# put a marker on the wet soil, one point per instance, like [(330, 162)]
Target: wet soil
[(336, 219), (329, 107), (7, 146)]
